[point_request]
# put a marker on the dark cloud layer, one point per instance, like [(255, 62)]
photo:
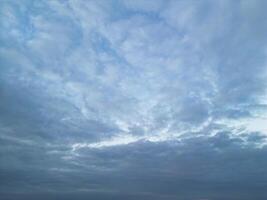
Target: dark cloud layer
[(133, 100)]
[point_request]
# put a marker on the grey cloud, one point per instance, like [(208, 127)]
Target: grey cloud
[(215, 168)]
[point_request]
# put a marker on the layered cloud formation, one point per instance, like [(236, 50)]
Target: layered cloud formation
[(133, 99)]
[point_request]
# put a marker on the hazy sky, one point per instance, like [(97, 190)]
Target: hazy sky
[(133, 100)]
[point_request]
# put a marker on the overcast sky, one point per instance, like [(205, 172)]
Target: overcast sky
[(133, 100)]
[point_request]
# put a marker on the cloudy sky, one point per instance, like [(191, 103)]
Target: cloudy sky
[(132, 99)]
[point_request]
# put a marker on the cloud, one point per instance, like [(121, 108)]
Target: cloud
[(133, 99)]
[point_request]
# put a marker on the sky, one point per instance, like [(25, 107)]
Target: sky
[(133, 99)]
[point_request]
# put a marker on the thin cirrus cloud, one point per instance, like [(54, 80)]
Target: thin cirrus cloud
[(133, 100)]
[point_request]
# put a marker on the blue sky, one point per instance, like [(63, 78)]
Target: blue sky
[(133, 99)]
